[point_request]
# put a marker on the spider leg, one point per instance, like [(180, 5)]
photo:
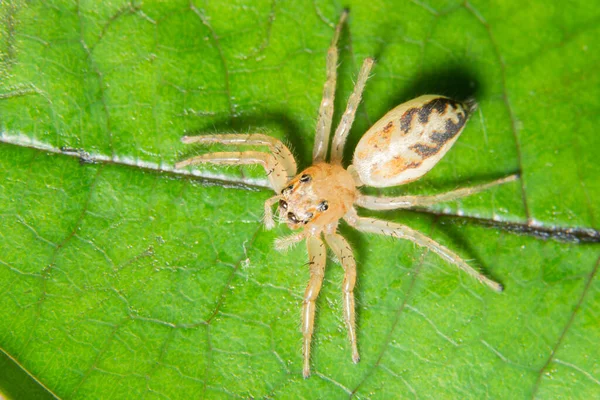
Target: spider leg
[(316, 257), (275, 170), (341, 133), (285, 242), (326, 108), (404, 232), (268, 218), (343, 252), (390, 203), (279, 150)]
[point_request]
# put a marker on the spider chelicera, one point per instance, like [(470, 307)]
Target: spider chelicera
[(400, 148)]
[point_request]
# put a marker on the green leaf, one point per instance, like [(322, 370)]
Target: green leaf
[(123, 279)]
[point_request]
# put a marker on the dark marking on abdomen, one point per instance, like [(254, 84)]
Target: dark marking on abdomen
[(448, 109), (440, 105), (388, 127), (406, 119), (425, 151)]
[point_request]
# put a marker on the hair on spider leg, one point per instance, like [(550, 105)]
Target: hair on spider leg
[(291, 147), (286, 242), (280, 220)]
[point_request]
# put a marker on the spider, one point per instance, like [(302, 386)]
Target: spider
[(400, 148)]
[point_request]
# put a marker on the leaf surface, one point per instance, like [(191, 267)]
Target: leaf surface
[(123, 279)]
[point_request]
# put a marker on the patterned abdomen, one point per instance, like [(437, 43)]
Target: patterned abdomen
[(409, 140)]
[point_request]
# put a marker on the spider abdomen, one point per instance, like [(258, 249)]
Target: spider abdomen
[(409, 140)]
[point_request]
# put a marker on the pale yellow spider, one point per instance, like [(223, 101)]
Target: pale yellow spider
[(401, 147)]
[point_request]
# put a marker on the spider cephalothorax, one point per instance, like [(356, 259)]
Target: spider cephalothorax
[(401, 147), (317, 197)]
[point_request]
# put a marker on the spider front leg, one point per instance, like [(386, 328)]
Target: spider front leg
[(326, 107), (279, 150), (316, 259), (343, 252), (280, 164), (404, 232), (341, 133), (393, 203), (275, 171)]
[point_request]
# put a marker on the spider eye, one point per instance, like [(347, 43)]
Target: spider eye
[(287, 189), (308, 218), (305, 178), (323, 206), (292, 217), (283, 204)]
